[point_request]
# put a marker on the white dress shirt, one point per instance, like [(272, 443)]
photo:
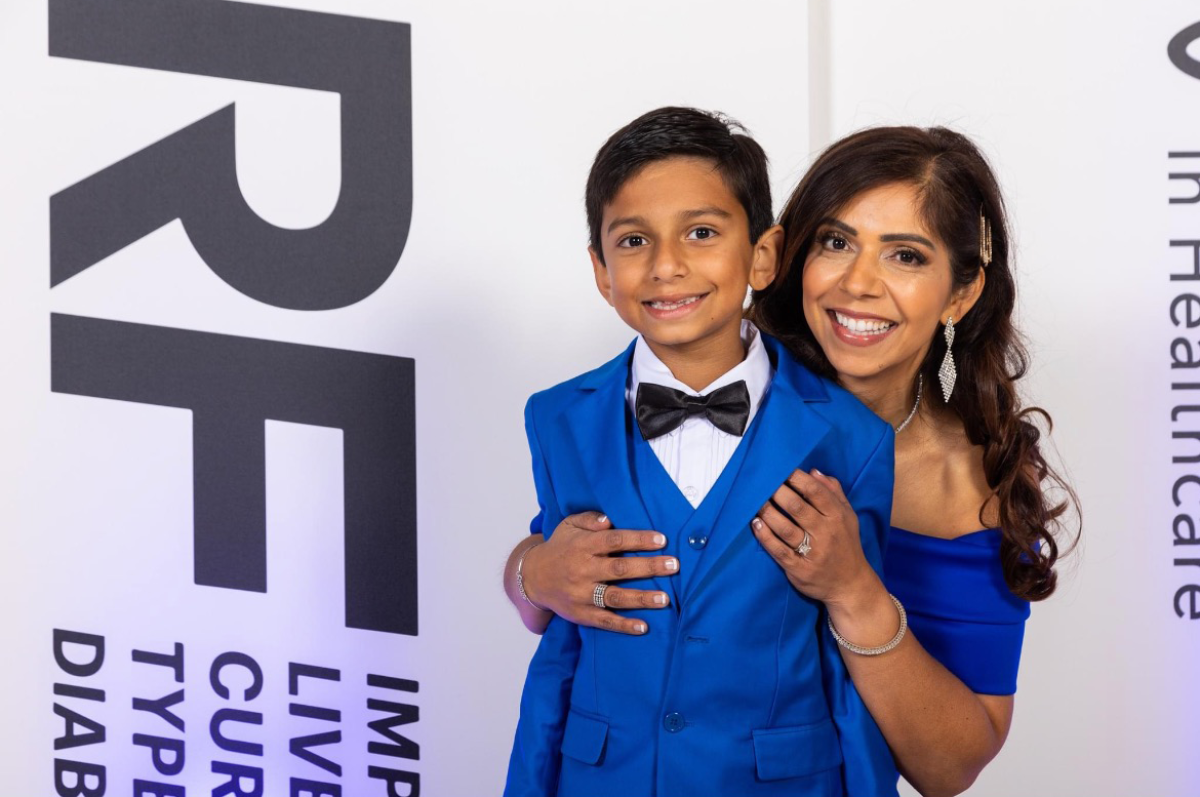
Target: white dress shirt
[(694, 454)]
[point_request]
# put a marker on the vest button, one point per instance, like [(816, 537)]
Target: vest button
[(697, 542), (673, 722)]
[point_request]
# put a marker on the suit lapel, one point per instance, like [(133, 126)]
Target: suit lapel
[(598, 427), (784, 432)]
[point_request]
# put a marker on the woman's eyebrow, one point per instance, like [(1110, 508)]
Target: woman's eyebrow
[(916, 239), (841, 225)]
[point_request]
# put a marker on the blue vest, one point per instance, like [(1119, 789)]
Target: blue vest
[(688, 529)]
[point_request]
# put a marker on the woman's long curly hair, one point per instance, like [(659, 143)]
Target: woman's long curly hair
[(955, 185)]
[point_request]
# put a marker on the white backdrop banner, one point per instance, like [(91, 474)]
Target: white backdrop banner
[(276, 281), (276, 284)]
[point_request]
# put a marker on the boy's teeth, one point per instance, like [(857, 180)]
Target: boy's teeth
[(863, 326), (674, 305)]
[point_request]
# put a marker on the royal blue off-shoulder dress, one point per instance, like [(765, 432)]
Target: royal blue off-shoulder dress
[(959, 606)]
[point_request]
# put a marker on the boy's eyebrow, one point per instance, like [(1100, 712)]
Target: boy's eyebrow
[(615, 223), (889, 238), (710, 210)]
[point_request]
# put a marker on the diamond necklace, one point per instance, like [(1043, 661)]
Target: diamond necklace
[(917, 403)]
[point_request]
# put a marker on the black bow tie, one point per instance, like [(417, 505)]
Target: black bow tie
[(663, 409)]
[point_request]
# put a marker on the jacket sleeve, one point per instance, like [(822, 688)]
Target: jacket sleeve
[(533, 767), (869, 768)]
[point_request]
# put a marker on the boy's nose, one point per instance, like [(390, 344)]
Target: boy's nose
[(669, 262)]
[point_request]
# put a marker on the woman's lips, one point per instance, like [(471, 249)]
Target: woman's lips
[(668, 307), (860, 330)]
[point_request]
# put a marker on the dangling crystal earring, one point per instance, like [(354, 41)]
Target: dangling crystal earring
[(948, 373)]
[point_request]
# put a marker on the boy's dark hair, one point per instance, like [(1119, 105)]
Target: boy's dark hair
[(681, 132)]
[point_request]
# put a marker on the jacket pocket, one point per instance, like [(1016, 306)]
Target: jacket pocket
[(584, 737), (795, 751)]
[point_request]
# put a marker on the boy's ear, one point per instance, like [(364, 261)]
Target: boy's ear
[(603, 280), (765, 264)]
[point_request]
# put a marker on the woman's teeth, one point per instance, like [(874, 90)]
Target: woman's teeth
[(863, 326), (674, 305)]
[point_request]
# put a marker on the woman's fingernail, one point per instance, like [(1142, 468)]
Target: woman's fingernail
[(818, 472), (660, 539), (660, 599), (756, 523), (640, 628), (672, 564), (602, 519)]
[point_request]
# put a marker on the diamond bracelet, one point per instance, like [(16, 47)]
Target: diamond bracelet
[(884, 648), (521, 578)]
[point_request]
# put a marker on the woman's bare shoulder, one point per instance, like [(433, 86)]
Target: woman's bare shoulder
[(941, 486)]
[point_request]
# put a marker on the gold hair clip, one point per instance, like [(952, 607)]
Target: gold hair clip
[(985, 240)]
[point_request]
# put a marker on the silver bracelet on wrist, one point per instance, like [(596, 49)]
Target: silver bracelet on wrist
[(859, 649), (521, 579)]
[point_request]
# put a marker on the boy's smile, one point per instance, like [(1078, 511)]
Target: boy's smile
[(677, 259), (673, 306)]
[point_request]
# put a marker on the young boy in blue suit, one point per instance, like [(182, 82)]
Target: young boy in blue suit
[(739, 689)]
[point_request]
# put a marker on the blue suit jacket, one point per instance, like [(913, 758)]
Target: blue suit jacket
[(738, 688)]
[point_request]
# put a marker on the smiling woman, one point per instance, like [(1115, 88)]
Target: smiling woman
[(897, 250), (876, 286)]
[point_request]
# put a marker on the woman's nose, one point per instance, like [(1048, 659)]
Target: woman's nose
[(861, 277)]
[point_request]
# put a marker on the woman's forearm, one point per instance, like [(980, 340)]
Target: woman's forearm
[(535, 619), (941, 733)]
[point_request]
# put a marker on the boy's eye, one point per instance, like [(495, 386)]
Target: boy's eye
[(702, 234), (631, 241)]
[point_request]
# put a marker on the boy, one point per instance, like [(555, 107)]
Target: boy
[(738, 691)]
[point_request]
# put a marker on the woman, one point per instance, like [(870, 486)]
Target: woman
[(895, 282)]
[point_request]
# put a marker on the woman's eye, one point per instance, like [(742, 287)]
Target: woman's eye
[(833, 240), (702, 234), (631, 241), (910, 257)]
